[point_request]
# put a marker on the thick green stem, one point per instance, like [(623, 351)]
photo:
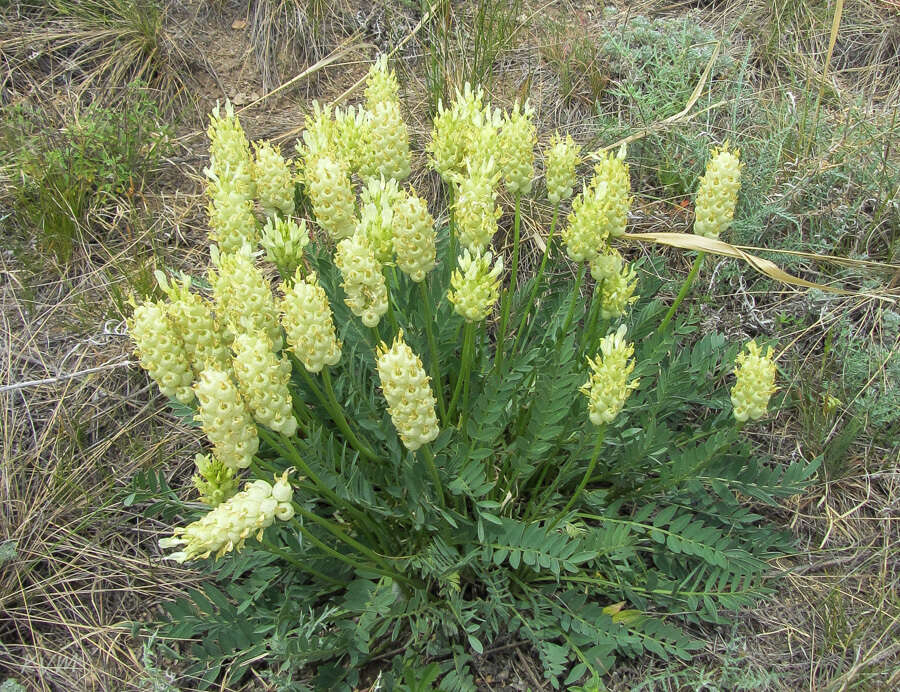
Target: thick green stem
[(433, 470), (576, 296), (341, 421), (588, 334), (685, 287), (465, 364), (537, 281), (511, 289), (584, 481), (434, 360)]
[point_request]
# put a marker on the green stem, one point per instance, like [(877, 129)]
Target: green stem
[(375, 336), (338, 533), (392, 317), (340, 420), (584, 481), (685, 287), (451, 226), (511, 288), (588, 335), (435, 362), (432, 469), (537, 280), (576, 295), (468, 346)]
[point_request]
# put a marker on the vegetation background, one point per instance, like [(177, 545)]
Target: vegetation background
[(102, 125)]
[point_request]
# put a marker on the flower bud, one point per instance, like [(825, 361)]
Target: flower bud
[(474, 211), (717, 196), (274, 181), (607, 387), (562, 157), (225, 419), (229, 525), (414, 237), (308, 323), (214, 481), (755, 384), (284, 240), (332, 197), (363, 282), (408, 393), (244, 300), (161, 351), (476, 285), (263, 379), (516, 147)]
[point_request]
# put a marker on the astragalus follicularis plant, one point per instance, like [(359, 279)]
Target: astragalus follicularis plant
[(437, 454)]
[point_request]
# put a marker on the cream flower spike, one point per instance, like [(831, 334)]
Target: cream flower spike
[(225, 419), (228, 526), (516, 149), (161, 351), (274, 181), (284, 241), (475, 285), (474, 210), (616, 283), (408, 393), (214, 481), (363, 282), (717, 196), (414, 236), (387, 146), (755, 373), (229, 149), (611, 176), (231, 219), (607, 387), (562, 157), (309, 324), (263, 381), (332, 197), (381, 84), (377, 216)]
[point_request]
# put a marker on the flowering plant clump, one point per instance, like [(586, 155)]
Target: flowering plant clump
[(436, 453)]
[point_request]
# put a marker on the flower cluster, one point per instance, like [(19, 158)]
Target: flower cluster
[(476, 285), (755, 384), (263, 378), (328, 185), (408, 393), (616, 282), (225, 419), (308, 324), (608, 387), (516, 144), (161, 351), (376, 216), (717, 196), (474, 211), (229, 151), (363, 282), (214, 481), (562, 157), (414, 236), (467, 131), (231, 220), (229, 525), (388, 152), (284, 241), (274, 181)]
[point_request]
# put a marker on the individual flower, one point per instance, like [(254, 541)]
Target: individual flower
[(363, 282), (229, 151), (414, 236), (562, 157), (192, 317), (755, 373), (607, 387), (717, 196), (309, 324), (516, 147), (474, 211), (475, 285), (229, 525), (244, 300), (381, 84), (387, 151), (231, 220), (328, 185), (616, 282), (161, 351), (214, 481), (377, 216), (263, 381), (225, 419), (284, 241), (274, 181), (408, 393)]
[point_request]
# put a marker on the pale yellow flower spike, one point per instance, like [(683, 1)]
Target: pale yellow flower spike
[(517, 140), (475, 285), (225, 419), (231, 220), (387, 151), (284, 241), (161, 351), (414, 237), (377, 216), (381, 84), (363, 282), (607, 387), (214, 481), (274, 181), (613, 186), (717, 196), (562, 158), (474, 210), (309, 324), (228, 526), (408, 393), (332, 197), (263, 381), (755, 373), (230, 150)]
